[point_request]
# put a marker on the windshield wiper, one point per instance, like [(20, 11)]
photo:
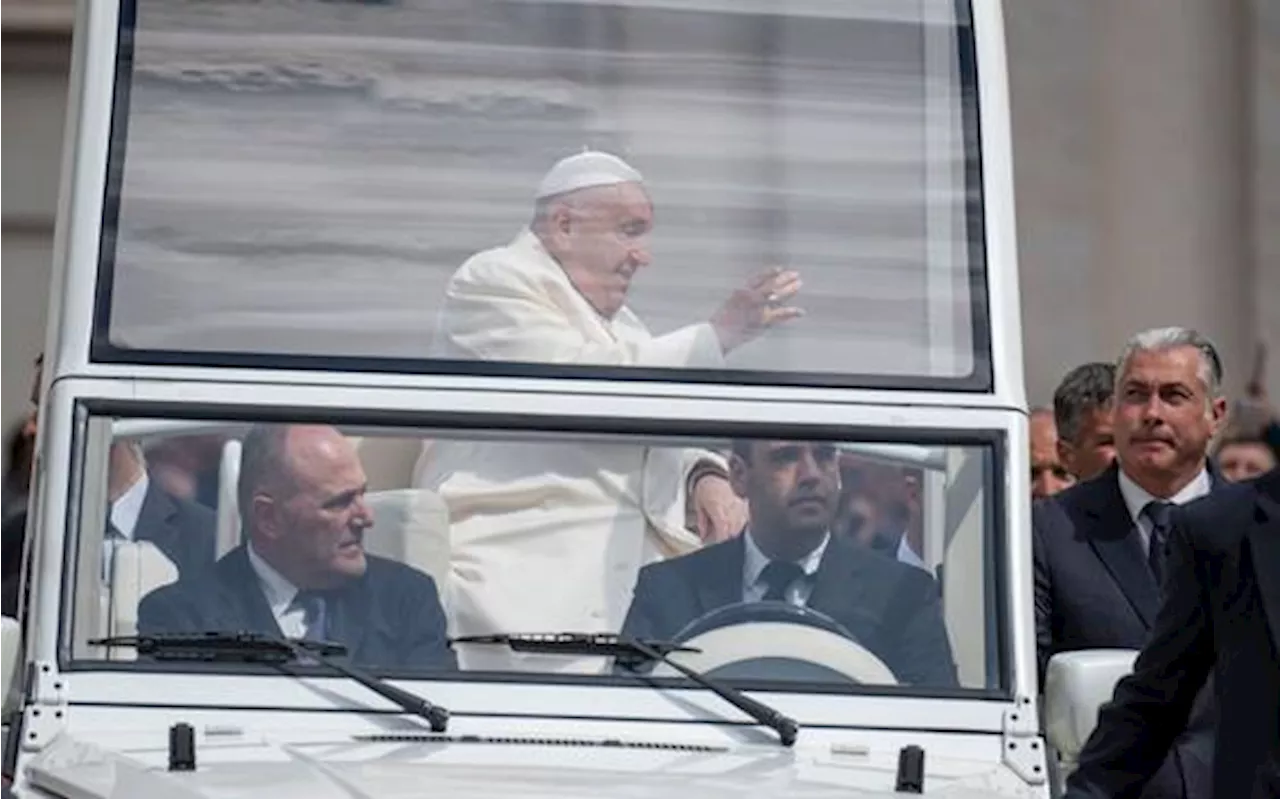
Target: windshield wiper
[(244, 647), (632, 652)]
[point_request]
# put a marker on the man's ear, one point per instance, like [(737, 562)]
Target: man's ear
[(561, 220), (264, 510), (1218, 413), (1065, 454)]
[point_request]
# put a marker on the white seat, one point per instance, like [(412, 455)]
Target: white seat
[(1076, 686), (411, 525), (137, 569), (10, 651), (227, 532), (388, 462)]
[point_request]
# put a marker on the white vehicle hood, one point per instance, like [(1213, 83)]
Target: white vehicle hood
[(440, 768)]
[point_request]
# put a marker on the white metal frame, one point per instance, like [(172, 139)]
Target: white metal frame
[(535, 411), (69, 375)]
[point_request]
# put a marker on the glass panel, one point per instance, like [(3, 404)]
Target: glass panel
[(802, 562), (309, 179)]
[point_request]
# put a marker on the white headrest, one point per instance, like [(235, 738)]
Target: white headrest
[(410, 525), (1076, 686)]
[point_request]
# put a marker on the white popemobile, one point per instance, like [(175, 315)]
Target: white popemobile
[(239, 182)]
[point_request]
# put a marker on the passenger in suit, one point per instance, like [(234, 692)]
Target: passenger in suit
[(1221, 616), (141, 510), (1099, 546), (303, 571), (1082, 413), (788, 553)]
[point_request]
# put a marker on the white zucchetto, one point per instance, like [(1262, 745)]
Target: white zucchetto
[(584, 170)]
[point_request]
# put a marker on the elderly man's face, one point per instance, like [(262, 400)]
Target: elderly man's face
[(319, 525), (1164, 417), (1048, 475), (602, 239)]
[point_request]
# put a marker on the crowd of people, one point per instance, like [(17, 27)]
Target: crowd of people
[(1123, 448)]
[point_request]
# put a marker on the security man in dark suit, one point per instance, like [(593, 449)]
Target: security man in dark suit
[(141, 510), (303, 571), (1099, 546), (138, 509), (787, 553), (1221, 616)]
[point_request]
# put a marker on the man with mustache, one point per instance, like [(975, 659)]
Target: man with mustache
[(591, 513), (302, 571), (788, 554), (1099, 547)]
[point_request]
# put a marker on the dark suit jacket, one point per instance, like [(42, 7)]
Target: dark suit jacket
[(181, 529), (1094, 590), (1221, 615), (12, 533), (891, 608), (389, 618)]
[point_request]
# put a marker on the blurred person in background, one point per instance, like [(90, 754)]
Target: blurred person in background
[(1082, 416), (1244, 457), (19, 452), (1254, 417), (1048, 474), (188, 466), (880, 508)]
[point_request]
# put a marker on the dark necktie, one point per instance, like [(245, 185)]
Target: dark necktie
[(315, 619), (779, 575), (1159, 513)]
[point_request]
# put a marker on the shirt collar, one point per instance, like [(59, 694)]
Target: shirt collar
[(277, 588), (126, 510), (754, 561), (1136, 497)]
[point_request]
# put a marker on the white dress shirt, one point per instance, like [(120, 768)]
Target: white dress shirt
[(754, 561), (279, 593), (908, 555), (126, 510), (123, 516), (1136, 498)]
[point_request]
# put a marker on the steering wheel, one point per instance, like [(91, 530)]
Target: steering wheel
[(775, 641), (752, 612)]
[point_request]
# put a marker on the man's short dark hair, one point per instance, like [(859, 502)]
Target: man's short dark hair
[(1085, 389), (263, 461), (742, 448)]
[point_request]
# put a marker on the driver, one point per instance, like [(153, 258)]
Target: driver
[(787, 554)]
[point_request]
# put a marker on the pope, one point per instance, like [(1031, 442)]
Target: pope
[(550, 536)]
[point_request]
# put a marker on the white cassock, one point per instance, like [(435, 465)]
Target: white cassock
[(549, 537)]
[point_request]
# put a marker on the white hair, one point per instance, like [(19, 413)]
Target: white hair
[(1160, 339)]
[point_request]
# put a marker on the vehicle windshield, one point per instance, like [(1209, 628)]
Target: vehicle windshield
[(385, 186), (832, 564)]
